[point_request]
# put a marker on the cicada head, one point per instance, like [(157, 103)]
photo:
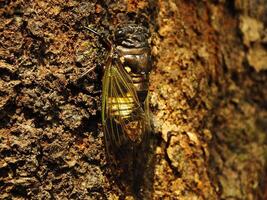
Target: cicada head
[(132, 36)]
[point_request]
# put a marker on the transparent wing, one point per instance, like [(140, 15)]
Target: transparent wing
[(124, 117)]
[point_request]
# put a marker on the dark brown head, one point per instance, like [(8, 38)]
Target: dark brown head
[(132, 36)]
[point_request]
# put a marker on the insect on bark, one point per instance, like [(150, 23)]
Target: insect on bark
[(125, 107)]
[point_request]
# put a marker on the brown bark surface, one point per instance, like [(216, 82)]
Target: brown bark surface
[(208, 98)]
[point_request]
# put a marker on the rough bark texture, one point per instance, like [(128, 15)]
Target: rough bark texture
[(208, 99)]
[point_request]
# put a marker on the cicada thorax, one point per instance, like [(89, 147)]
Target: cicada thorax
[(132, 57), (137, 63)]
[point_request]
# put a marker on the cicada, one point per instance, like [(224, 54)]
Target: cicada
[(125, 106)]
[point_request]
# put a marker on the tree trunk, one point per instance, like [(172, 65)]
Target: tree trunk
[(208, 99)]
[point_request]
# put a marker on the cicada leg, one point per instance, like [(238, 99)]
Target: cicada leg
[(87, 72)]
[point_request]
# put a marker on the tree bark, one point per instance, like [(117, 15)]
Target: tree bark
[(208, 99)]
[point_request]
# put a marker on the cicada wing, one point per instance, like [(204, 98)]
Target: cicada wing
[(123, 115), (147, 120)]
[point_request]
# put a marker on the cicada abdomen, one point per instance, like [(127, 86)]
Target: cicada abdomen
[(125, 110)]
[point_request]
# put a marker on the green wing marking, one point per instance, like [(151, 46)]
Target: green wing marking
[(124, 117)]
